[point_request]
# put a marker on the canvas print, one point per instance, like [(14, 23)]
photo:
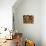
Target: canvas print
[(28, 19)]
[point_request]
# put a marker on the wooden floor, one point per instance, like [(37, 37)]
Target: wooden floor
[(9, 43)]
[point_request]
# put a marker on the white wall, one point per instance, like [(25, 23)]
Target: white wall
[(6, 13), (31, 31), (43, 22)]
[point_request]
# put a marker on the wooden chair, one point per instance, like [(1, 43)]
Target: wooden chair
[(18, 39)]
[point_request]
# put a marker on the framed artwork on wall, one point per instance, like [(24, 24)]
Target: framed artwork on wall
[(28, 19)]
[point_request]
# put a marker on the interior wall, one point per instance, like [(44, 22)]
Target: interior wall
[(30, 31), (6, 13), (43, 22)]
